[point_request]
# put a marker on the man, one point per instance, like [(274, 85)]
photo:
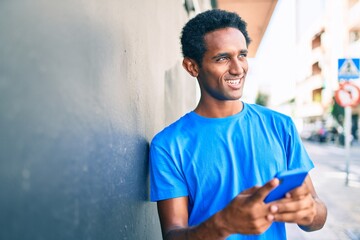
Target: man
[(211, 170)]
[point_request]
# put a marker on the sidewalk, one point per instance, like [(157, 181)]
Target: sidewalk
[(343, 202)]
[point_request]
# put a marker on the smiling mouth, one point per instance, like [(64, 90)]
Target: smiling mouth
[(233, 82)]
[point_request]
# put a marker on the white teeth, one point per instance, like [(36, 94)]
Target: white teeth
[(233, 82)]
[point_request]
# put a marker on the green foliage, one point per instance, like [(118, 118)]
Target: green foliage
[(262, 99), (338, 112)]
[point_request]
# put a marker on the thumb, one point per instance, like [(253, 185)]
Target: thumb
[(251, 190), (263, 191)]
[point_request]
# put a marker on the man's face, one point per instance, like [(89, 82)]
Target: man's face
[(224, 67)]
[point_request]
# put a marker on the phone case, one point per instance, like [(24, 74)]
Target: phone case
[(288, 181)]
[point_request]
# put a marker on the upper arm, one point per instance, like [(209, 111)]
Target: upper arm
[(173, 214)]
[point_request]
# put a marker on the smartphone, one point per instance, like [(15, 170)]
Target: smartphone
[(288, 181)]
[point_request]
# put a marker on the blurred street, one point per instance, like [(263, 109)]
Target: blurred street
[(343, 201)]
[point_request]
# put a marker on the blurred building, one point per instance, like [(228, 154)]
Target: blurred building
[(332, 33)]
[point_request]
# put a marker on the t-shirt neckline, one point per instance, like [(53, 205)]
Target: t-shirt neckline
[(198, 117)]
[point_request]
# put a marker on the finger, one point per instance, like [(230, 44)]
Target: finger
[(285, 217), (293, 217), (294, 206), (263, 191), (299, 191), (251, 190)]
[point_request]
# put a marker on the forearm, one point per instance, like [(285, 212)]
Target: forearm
[(211, 229), (319, 219)]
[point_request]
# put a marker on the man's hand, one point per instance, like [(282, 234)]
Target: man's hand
[(301, 206), (247, 213), (297, 207)]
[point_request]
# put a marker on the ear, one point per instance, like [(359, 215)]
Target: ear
[(191, 66)]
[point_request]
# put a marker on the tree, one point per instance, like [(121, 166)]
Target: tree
[(338, 112), (262, 98)]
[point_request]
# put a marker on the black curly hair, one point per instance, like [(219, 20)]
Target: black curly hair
[(192, 35)]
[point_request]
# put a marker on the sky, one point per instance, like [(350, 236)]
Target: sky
[(274, 67)]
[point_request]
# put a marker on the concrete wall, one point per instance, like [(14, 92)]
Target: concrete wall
[(84, 86)]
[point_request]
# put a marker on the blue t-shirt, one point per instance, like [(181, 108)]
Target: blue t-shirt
[(211, 160)]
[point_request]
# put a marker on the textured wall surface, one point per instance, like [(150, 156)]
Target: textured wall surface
[(84, 86)]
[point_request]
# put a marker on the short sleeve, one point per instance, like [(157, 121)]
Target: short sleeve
[(297, 154), (166, 177)]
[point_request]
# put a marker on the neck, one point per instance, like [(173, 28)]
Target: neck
[(220, 109)]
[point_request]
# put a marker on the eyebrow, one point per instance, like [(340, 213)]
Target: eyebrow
[(244, 51)]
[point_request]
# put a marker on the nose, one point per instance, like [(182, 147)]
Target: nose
[(238, 66)]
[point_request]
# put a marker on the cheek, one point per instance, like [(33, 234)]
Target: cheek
[(223, 75), (213, 75)]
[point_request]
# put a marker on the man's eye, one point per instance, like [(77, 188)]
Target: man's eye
[(244, 55), (221, 59)]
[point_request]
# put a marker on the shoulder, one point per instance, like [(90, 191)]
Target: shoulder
[(268, 116), (265, 111), (172, 131)]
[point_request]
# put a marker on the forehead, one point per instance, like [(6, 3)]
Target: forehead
[(221, 39)]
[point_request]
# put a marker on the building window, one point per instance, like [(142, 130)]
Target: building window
[(316, 42), (317, 95), (316, 69)]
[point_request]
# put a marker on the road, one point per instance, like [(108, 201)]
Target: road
[(343, 200)]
